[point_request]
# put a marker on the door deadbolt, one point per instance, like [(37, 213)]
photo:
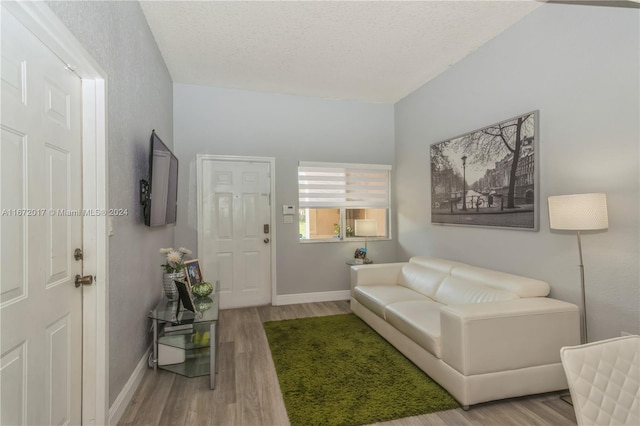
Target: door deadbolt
[(77, 254), (86, 280), (266, 241)]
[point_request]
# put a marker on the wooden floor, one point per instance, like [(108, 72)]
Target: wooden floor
[(248, 393)]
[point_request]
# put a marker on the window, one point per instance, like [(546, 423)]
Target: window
[(332, 196)]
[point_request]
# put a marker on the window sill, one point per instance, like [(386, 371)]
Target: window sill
[(338, 240)]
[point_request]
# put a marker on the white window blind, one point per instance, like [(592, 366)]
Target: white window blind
[(343, 185)]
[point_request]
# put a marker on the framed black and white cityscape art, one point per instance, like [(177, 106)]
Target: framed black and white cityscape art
[(488, 177)]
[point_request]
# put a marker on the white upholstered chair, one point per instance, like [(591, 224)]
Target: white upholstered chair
[(604, 381)]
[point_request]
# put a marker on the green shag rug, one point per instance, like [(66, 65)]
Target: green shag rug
[(336, 370)]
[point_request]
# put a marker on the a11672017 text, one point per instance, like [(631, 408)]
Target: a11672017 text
[(64, 212)]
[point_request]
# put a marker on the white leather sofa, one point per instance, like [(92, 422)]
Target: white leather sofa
[(481, 334)]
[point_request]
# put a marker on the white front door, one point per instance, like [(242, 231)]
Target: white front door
[(234, 229), (40, 226)]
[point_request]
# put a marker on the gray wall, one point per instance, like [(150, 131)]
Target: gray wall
[(290, 129), (578, 65), (139, 99)]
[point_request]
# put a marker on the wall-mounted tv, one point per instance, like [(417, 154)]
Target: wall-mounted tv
[(159, 195)]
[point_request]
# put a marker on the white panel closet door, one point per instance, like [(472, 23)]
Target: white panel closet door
[(41, 224)]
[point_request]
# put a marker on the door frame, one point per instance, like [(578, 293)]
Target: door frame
[(200, 158), (41, 21)]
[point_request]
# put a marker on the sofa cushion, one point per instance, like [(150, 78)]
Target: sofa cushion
[(423, 280), (442, 265), (419, 320), (454, 291), (376, 297), (424, 274), (520, 286)]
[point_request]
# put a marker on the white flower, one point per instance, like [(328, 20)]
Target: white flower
[(174, 256), (174, 259)]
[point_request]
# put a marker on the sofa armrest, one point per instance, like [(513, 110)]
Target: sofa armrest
[(497, 336), (377, 274)]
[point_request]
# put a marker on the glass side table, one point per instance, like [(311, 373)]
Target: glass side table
[(190, 337)]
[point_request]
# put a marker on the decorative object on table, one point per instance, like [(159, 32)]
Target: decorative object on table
[(168, 285), (202, 289), (579, 212), (171, 304), (488, 177), (365, 228), (320, 385), (173, 270), (194, 274), (185, 295), (203, 303), (359, 256), (201, 339)]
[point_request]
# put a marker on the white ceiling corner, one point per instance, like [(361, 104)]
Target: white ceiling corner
[(373, 51)]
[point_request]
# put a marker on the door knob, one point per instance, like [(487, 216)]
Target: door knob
[(86, 280), (266, 241)]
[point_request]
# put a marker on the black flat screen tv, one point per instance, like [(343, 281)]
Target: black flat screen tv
[(160, 196)]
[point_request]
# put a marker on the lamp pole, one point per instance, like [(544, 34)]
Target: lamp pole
[(585, 336), (464, 182)]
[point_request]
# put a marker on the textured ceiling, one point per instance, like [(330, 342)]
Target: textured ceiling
[(377, 51)]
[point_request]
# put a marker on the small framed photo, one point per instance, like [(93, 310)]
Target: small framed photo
[(194, 274), (185, 295)]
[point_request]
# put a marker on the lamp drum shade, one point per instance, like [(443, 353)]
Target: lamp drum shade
[(366, 228), (578, 212)]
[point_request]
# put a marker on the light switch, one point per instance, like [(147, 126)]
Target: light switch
[(288, 218)]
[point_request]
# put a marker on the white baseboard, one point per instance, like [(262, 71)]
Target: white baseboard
[(326, 296), (126, 395)]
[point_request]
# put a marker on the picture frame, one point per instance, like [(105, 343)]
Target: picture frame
[(185, 295), (488, 177), (193, 272)]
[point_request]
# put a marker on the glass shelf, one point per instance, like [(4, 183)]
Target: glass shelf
[(173, 312), (195, 364), (198, 337)]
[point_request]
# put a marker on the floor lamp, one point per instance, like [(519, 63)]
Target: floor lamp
[(580, 212), (366, 228)]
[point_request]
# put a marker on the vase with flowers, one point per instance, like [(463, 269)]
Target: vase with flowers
[(173, 270)]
